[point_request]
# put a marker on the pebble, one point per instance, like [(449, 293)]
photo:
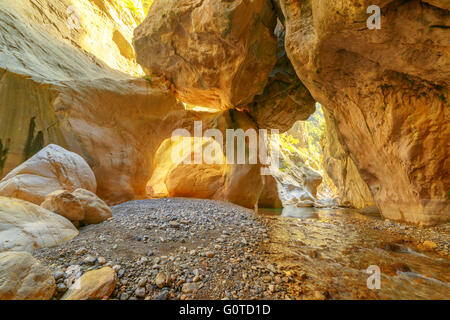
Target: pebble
[(58, 275), (142, 282), (164, 295)]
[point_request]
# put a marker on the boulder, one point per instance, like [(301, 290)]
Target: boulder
[(388, 90), (51, 169), (78, 206), (217, 53), (25, 226), (93, 285), (24, 278)]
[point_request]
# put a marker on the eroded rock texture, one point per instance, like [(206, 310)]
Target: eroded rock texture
[(217, 53), (176, 174), (285, 99), (93, 285), (338, 165), (24, 278), (53, 168), (388, 90), (79, 206)]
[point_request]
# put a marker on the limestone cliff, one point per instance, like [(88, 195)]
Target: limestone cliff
[(62, 85), (218, 54)]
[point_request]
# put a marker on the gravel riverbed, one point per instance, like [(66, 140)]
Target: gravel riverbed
[(203, 249)]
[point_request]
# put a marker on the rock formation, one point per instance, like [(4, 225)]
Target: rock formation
[(285, 99), (24, 278), (213, 177), (93, 285), (388, 89), (57, 85), (350, 188), (25, 226), (114, 121), (53, 168), (298, 182), (217, 53), (300, 175)]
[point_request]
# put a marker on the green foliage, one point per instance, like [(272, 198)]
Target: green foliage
[(33, 143)]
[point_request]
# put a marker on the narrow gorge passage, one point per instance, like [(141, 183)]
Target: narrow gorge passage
[(224, 150)]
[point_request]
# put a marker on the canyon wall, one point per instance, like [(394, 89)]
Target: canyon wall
[(339, 167), (388, 90)]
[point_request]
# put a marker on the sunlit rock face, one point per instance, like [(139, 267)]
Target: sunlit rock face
[(338, 165), (177, 174), (285, 99), (388, 90), (57, 87), (217, 53)]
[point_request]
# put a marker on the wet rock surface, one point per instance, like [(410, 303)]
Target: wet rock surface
[(202, 249)]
